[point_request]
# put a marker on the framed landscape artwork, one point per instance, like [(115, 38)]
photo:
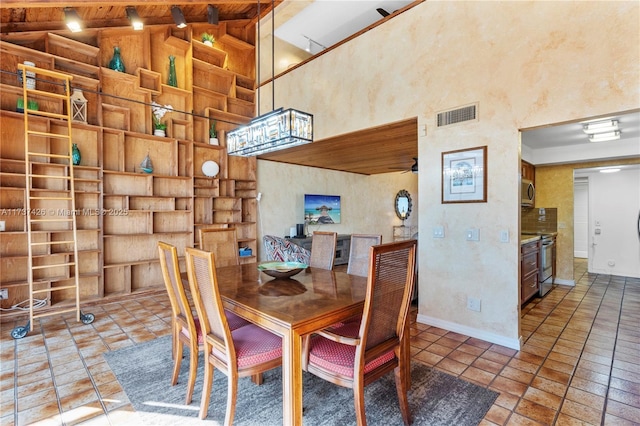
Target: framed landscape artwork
[(464, 176)]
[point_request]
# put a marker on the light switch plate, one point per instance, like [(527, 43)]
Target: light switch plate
[(473, 234), (504, 236)]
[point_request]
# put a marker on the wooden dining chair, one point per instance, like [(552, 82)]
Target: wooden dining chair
[(185, 327), (356, 353), (323, 249), (359, 253), (223, 242), (247, 351)]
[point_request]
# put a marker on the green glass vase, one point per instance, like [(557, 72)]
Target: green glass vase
[(173, 79), (116, 63), (75, 154)]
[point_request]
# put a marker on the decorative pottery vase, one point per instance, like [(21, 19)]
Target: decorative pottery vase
[(20, 105), (159, 132), (75, 154), (213, 141), (173, 79), (208, 43), (116, 63)]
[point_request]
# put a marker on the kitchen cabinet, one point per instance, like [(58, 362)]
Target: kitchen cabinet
[(528, 171), (529, 269)]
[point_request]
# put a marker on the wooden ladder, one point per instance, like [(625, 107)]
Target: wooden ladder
[(49, 207)]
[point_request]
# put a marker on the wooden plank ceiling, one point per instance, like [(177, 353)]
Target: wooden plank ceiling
[(383, 149), (48, 15)]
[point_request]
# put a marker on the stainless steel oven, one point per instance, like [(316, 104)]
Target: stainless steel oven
[(546, 264)]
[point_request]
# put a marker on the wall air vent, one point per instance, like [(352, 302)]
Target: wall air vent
[(459, 115)]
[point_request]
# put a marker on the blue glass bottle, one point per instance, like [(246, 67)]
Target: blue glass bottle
[(116, 63), (75, 154)]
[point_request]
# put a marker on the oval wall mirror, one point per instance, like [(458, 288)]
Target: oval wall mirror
[(403, 204)]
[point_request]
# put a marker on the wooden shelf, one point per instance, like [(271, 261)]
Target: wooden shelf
[(124, 212)]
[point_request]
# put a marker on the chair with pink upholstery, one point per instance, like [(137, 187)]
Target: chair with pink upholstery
[(246, 351), (282, 250), (356, 353), (185, 329)]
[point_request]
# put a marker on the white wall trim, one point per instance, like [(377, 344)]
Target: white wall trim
[(470, 331), (564, 282)]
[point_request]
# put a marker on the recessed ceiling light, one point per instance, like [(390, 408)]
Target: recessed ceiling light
[(72, 19), (603, 137), (178, 17), (600, 126), (133, 16)]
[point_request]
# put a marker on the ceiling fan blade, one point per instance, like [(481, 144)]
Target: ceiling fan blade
[(382, 12)]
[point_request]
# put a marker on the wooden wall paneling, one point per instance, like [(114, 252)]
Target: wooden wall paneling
[(134, 48), (138, 102), (113, 150)]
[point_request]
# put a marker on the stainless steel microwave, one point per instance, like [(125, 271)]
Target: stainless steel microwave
[(528, 193)]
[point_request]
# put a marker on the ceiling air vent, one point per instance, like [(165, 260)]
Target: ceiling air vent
[(467, 113)]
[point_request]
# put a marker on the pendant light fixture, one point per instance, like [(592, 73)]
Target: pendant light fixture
[(273, 131)]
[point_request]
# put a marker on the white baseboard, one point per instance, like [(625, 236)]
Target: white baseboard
[(564, 282), (513, 343)]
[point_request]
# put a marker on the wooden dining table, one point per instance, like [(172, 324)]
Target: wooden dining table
[(292, 308)]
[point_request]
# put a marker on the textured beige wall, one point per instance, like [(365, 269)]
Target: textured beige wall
[(554, 188), (367, 202), (526, 64)]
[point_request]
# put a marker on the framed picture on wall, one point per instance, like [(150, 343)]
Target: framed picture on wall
[(464, 176)]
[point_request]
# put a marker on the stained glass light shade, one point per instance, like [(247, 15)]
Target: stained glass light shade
[(279, 129)]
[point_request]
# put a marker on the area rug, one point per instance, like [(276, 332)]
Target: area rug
[(144, 371)]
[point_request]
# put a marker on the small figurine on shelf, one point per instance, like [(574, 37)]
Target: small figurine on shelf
[(173, 78), (147, 165), (213, 133), (159, 128), (208, 39)]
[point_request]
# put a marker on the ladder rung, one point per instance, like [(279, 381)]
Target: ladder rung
[(47, 114), (57, 265), (47, 94), (50, 176), (46, 154), (46, 243), (47, 134), (51, 198), (47, 290), (51, 220)]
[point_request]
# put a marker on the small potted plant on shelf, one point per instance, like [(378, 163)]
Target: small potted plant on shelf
[(159, 128), (213, 133), (208, 39)]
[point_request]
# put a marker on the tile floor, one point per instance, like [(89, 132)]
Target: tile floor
[(580, 363)]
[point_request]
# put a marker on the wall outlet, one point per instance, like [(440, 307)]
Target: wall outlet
[(4, 294), (473, 304), (2, 226), (438, 232)]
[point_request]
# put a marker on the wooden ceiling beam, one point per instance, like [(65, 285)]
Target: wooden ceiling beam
[(7, 4)]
